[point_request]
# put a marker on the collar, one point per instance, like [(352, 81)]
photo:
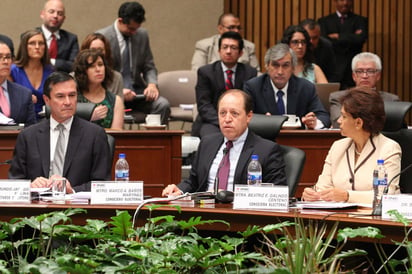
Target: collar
[(47, 33), (67, 124), (239, 141), (284, 89), (4, 85), (224, 67), (340, 14), (119, 35)]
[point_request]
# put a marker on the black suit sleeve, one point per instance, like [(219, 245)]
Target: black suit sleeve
[(205, 97)]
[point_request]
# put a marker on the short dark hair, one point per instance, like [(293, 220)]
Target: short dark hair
[(232, 35), (367, 104), (311, 23), (131, 11), (55, 78), (246, 97)]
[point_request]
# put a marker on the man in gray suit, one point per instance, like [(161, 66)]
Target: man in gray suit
[(366, 72), (207, 50), (133, 57)]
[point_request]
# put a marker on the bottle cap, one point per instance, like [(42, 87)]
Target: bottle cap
[(255, 157), (381, 161), (122, 156)]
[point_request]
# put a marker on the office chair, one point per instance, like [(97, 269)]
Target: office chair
[(178, 87), (324, 90), (267, 126), (84, 110), (112, 145), (395, 129)]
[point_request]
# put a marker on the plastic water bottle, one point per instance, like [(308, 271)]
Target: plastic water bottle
[(121, 169), (380, 182), (254, 171)]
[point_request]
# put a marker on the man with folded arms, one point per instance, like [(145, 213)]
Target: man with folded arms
[(62, 146), (226, 155)]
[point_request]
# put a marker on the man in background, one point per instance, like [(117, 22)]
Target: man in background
[(366, 72), (63, 45), (214, 79), (133, 58), (347, 32), (207, 50), (323, 50)]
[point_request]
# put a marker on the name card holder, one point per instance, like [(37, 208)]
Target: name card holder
[(111, 192), (400, 202), (261, 197), (12, 191)]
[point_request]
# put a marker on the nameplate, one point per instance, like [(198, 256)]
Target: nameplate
[(261, 197), (400, 202), (15, 191), (111, 192)]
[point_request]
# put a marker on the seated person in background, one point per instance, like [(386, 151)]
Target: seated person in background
[(214, 79), (348, 170), (297, 95), (91, 76), (99, 41), (366, 72), (32, 66), (235, 113), (299, 41), (15, 100), (207, 50), (81, 146), (322, 48)]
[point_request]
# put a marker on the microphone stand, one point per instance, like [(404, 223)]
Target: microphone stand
[(377, 210)]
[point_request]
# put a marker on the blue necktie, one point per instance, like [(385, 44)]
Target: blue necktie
[(281, 105)]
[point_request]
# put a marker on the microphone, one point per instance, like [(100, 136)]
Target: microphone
[(6, 162), (377, 211)]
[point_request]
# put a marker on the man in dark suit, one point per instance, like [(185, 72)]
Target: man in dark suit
[(347, 32), (61, 55), (279, 91), (212, 81), (366, 72), (19, 105), (84, 152), (133, 57), (323, 50), (235, 113)]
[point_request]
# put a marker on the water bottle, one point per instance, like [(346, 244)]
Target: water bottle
[(121, 169), (380, 182), (254, 171)]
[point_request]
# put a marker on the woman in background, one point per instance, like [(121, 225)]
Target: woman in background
[(32, 66), (347, 174), (92, 78), (299, 41)]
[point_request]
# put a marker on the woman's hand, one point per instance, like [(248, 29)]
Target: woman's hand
[(99, 113), (310, 194), (334, 195)]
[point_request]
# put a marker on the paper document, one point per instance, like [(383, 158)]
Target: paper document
[(4, 120), (186, 106), (325, 205)]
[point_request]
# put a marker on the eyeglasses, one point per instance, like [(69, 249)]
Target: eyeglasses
[(225, 47), (297, 42), (6, 57), (369, 72), (239, 28)]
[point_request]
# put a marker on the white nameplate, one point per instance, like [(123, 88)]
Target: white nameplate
[(111, 192), (261, 197), (15, 191), (400, 202)]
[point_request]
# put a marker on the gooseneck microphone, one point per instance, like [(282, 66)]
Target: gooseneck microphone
[(377, 211)]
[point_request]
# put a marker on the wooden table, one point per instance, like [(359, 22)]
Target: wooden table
[(239, 219), (316, 144), (154, 156)]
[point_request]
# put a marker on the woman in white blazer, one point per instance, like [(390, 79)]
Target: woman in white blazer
[(347, 174)]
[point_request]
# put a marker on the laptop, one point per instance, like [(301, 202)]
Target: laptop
[(323, 91)]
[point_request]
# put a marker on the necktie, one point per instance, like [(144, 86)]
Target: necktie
[(53, 47), (126, 72), (281, 105), (342, 19), (228, 82), (58, 160), (224, 167), (4, 104)]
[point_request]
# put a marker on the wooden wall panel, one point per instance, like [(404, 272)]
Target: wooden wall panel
[(389, 31)]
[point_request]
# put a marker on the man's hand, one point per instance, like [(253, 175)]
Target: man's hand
[(334, 36), (310, 120), (40, 182), (151, 92), (128, 94), (171, 190)]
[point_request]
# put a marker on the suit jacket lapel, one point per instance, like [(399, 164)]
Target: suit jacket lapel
[(269, 97), (75, 137), (42, 140), (14, 104), (292, 97), (220, 79), (209, 155), (240, 76), (244, 157)]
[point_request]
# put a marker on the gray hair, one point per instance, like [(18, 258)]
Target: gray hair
[(279, 51), (367, 57)]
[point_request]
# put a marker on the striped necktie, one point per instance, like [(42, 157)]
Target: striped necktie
[(228, 82)]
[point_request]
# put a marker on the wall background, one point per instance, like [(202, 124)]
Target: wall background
[(174, 25)]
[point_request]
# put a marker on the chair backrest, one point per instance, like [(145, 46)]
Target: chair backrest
[(178, 86), (395, 114), (83, 110), (404, 139), (267, 126), (323, 91), (112, 145), (294, 159)]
